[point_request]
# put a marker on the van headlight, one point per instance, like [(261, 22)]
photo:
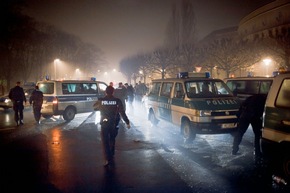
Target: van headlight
[(203, 113), (7, 101)]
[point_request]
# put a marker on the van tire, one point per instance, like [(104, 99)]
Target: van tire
[(152, 118), (47, 116), (286, 166), (187, 131), (69, 114)]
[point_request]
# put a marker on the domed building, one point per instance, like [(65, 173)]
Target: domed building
[(270, 24)]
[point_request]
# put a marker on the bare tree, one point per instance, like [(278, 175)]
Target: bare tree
[(229, 55), (164, 61), (181, 27)]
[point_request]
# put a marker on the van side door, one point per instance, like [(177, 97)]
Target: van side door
[(177, 102), (164, 101)]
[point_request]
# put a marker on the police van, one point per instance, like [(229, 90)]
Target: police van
[(69, 97), (243, 87), (275, 142), (195, 102)]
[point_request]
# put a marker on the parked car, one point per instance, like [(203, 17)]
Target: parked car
[(28, 93), (5, 102)]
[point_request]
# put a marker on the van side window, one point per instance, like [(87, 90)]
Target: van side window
[(178, 91), (283, 98), (90, 88), (265, 87), (155, 88), (191, 89), (46, 88), (102, 88), (73, 88), (166, 89)]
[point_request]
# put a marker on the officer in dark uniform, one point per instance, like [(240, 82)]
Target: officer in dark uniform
[(17, 96), (121, 93), (36, 99), (110, 108), (250, 112)]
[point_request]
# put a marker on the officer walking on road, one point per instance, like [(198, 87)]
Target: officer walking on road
[(250, 112), (36, 99), (110, 108), (17, 96)]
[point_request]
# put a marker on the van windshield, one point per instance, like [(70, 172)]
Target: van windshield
[(46, 88), (207, 88)]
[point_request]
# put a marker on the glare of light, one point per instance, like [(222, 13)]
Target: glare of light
[(98, 117), (55, 63), (114, 70), (140, 72), (267, 61), (105, 73)]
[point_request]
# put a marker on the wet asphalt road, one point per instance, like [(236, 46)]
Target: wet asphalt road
[(67, 157)]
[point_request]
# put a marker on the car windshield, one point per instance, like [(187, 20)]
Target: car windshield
[(208, 88)]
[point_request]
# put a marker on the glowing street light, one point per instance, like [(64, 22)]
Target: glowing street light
[(55, 63), (267, 62)]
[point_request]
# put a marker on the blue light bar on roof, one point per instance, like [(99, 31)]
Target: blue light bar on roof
[(93, 78), (193, 75)]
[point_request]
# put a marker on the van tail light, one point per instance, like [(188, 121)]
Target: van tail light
[(55, 104), (55, 101)]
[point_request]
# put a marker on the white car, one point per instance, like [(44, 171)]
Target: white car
[(5, 102)]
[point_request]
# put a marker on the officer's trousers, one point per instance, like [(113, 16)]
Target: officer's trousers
[(36, 112), (18, 111), (243, 125), (108, 136)]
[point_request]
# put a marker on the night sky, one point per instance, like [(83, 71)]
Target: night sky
[(126, 27)]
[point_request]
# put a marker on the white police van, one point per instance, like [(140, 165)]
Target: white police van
[(275, 142), (195, 102), (69, 97), (243, 87)]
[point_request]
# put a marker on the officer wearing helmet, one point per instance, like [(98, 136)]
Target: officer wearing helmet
[(110, 108)]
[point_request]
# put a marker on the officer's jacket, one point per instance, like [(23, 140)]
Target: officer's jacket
[(121, 93), (36, 98), (110, 106), (253, 106), (16, 94)]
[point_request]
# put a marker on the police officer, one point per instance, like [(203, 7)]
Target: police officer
[(17, 96), (130, 94), (110, 108), (121, 93), (36, 99), (250, 112)]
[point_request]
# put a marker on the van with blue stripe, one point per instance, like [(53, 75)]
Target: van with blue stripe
[(69, 97), (195, 102)]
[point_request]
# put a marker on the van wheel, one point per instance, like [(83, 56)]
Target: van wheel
[(47, 116), (187, 131), (286, 166), (152, 118), (69, 114)]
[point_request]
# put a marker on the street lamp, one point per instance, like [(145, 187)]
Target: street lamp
[(267, 61), (55, 63)]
